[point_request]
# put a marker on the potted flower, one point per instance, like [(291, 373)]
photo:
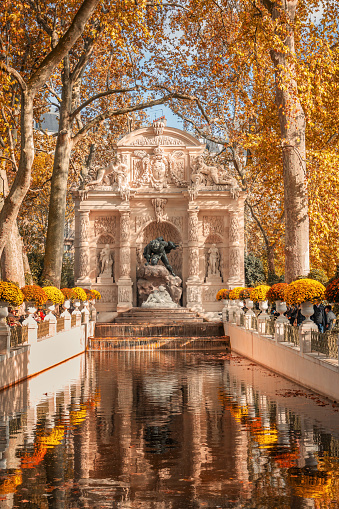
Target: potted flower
[(277, 294), (305, 292), (55, 298), (69, 295), (34, 294), (234, 295), (54, 294), (259, 294), (10, 295), (80, 296), (222, 294)]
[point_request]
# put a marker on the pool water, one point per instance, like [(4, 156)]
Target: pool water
[(166, 430)]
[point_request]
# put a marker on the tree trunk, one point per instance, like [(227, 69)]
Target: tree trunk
[(20, 186), (57, 204), (270, 260), (292, 127), (12, 265)]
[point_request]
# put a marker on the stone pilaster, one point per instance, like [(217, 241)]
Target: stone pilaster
[(235, 274), (193, 283), (125, 282), (83, 267)]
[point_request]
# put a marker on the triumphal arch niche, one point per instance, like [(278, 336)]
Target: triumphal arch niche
[(156, 185)]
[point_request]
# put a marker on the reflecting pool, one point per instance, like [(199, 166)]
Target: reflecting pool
[(166, 430)]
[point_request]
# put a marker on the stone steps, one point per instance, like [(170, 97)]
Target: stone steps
[(157, 315), (191, 329), (160, 343)]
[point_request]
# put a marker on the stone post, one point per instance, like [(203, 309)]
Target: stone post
[(32, 327), (85, 313), (193, 283), (5, 337), (125, 282), (234, 272), (83, 259)]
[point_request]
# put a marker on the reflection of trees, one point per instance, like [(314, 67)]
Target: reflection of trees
[(176, 428)]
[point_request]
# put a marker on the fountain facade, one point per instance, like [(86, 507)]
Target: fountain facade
[(157, 184)]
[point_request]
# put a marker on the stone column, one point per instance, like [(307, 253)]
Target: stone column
[(193, 283), (234, 271), (125, 282), (83, 259)]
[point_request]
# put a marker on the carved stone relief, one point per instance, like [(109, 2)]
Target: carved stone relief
[(193, 227), (124, 226), (159, 209), (213, 224), (158, 140), (108, 295), (234, 231), (141, 221), (125, 261), (105, 224), (211, 177), (83, 263), (83, 227), (177, 221), (193, 261), (193, 294), (105, 239), (234, 262), (124, 295), (209, 293), (158, 169)]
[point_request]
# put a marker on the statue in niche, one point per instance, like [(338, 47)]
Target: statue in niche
[(105, 262), (157, 250), (159, 299), (213, 261)]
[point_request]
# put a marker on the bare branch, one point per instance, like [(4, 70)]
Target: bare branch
[(66, 42), (122, 111), (98, 96), (15, 74)]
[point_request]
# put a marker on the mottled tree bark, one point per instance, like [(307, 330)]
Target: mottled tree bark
[(29, 89), (57, 204), (292, 127)]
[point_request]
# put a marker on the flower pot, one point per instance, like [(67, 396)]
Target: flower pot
[(307, 311), (281, 309)]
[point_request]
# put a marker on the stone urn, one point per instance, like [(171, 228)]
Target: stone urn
[(263, 317), (281, 309), (31, 309), (239, 311), (249, 313), (51, 307), (280, 322), (307, 311), (66, 305), (76, 305), (307, 327)]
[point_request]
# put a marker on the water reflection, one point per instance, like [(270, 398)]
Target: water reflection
[(166, 430)]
